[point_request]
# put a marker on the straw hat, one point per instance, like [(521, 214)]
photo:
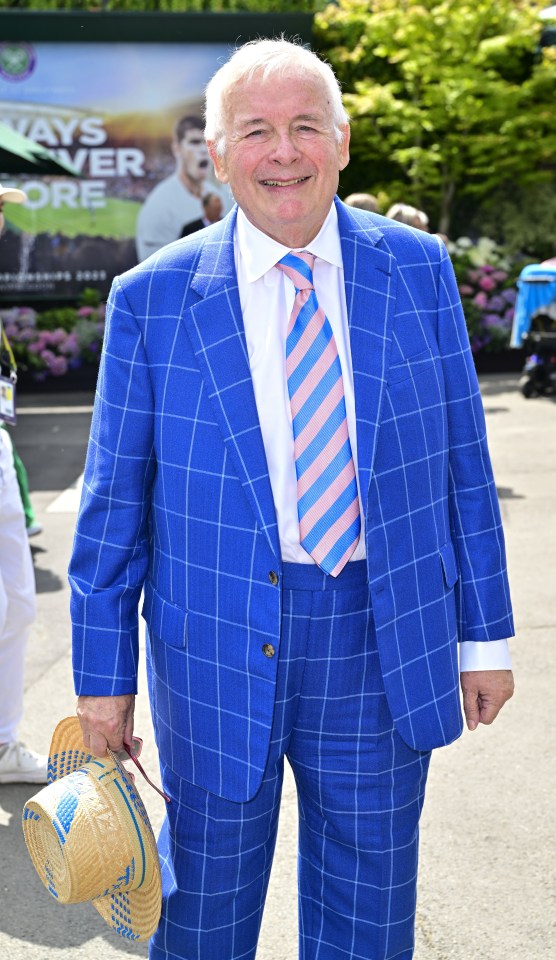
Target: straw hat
[(12, 195), (89, 837)]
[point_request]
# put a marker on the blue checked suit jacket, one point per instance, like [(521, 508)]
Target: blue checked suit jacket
[(177, 499)]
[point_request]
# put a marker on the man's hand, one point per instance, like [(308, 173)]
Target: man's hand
[(106, 722), (484, 694)]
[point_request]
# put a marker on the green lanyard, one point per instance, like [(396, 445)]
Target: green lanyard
[(8, 349)]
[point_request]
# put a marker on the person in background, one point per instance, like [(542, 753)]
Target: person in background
[(363, 201), (18, 764), (212, 213), (32, 525), (404, 213), (288, 454), (177, 200)]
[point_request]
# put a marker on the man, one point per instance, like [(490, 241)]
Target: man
[(18, 764), (364, 201), (405, 213), (212, 213), (288, 453), (177, 200)]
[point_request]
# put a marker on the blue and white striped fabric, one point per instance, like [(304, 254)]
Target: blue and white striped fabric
[(177, 499), (327, 497)]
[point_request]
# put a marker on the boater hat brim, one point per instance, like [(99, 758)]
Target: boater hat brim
[(89, 837)]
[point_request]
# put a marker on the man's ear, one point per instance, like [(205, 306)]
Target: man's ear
[(343, 147), (219, 162)]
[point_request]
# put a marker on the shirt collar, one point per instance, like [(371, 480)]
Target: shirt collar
[(259, 252)]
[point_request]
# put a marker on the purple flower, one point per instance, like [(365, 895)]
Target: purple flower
[(500, 276), (509, 315), (487, 283), (85, 311), (480, 300), (510, 295), (71, 346), (496, 303), (487, 268), (58, 336), (58, 366), (465, 290), (492, 320)]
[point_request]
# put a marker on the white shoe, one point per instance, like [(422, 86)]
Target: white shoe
[(18, 764), (34, 529)]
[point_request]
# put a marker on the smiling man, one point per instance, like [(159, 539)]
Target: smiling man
[(288, 455)]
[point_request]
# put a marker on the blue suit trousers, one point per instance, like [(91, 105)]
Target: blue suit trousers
[(360, 793)]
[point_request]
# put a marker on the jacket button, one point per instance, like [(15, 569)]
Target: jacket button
[(268, 650), (273, 577)]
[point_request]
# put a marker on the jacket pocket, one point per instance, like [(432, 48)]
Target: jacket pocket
[(411, 367), (164, 618), (449, 564)]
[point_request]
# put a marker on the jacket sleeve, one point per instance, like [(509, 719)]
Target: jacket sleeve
[(484, 606), (110, 552)]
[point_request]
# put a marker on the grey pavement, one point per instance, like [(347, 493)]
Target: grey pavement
[(487, 855)]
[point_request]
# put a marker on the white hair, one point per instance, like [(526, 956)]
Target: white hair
[(267, 58), (404, 213)]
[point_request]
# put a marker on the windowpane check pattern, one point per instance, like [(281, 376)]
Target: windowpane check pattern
[(327, 498)]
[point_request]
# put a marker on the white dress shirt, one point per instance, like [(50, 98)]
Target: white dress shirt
[(267, 297)]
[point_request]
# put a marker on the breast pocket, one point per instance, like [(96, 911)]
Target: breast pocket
[(414, 366)]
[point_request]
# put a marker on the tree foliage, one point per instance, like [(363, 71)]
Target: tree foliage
[(452, 101)]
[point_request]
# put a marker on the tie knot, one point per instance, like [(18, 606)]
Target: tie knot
[(299, 268)]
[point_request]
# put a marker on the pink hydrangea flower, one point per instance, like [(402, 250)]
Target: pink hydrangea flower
[(58, 366), (465, 290), (480, 299), (487, 283)]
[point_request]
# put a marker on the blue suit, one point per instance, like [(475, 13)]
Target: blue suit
[(177, 499)]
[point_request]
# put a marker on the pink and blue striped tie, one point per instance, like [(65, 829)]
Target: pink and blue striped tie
[(327, 499)]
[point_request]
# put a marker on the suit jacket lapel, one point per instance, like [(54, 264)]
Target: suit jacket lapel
[(369, 284), (215, 327)]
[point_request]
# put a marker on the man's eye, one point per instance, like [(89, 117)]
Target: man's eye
[(304, 128)]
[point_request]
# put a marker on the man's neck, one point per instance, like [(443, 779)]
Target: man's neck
[(193, 186)]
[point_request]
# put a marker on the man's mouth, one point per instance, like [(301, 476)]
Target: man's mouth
[(283, 183)]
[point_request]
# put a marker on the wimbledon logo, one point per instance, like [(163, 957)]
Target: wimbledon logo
[(17, 61)]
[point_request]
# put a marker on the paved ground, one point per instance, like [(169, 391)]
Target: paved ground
[(487, 875)]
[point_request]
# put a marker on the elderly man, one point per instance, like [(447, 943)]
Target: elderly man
[(288, 455)]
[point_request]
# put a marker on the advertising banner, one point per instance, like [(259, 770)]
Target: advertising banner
[(127, 116)]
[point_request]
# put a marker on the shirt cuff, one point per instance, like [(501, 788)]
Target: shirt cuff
[(484, 655)]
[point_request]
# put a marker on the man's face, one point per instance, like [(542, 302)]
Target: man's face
[(282, 158), (213, 209), (192, 155)]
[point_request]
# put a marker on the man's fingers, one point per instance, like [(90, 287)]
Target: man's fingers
[(471, 709), (96, 744), (106, 722), (484, 694)]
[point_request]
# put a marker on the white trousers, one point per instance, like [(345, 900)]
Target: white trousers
[(17, 594)]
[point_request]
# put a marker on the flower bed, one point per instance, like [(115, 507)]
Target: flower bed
[(487, 286), (55, 343)]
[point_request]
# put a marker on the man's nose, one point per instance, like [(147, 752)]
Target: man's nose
[(284, 149)]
